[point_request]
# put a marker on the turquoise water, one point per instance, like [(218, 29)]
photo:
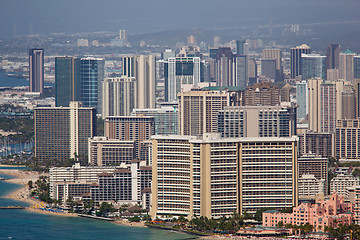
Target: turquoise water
[(21, 224)]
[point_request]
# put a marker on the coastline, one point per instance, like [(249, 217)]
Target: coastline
[(22, 194)]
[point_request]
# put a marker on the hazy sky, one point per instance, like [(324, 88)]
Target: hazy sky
[(139, 16)]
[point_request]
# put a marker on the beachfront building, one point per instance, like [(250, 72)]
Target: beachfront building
[(62, 133), (213, 177), (122, 184), (332, 211)]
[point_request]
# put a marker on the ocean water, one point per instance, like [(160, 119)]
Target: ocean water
[(21, 224), (6, 81)]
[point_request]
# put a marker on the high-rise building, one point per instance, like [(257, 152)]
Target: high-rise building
[(220, 176), (314, 103), (313, 66), (179, 71), (62, 133), (328, 107), (119, 96), (242, 48), (253, 71), (258, 121), (301, 99), (276, 54), (356, 87), (347, 139), (36, 70), (356, 67), (346, 66), (225, 61), (320, 144), (110, 152), (295, 59), (92, 75), (262, 94), (315, 165), (67, 81), (348, 101), (133, 128), (241, 71), (143, 68), (332, 55), (268, 68), (166, 119), (198, 111)]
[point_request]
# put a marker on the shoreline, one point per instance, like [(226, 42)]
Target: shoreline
[(22, 178), (11, 166)]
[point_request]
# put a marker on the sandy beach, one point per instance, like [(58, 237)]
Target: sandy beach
[(23, 194)]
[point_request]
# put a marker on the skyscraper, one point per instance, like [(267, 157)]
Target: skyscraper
[(328, 107), (36, 70), (314, 103), (258, 121), (242, 71), (143, 68), (119, 96), (242, 48), (275, 54), (63, 132), (356, 67), (301, 99), (146, 81), (332, 55), (92, 75), (67, 81), (313, 66), (198, 111), (225, 60), (268, 68), (179, 71), (220, 176), (134, 128), (346, 66), (295, 59)]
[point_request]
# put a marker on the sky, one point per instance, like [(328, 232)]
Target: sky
[(143, 16)]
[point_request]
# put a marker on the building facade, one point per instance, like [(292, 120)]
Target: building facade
[(106, 152), (313, 66), (198, 111), (119, 96), (92, 75), (258, 121), (130, 128), (296, 60), (179, 71), (62, 133), (36, 70), (214, 177), (67, 81), (166, 119)]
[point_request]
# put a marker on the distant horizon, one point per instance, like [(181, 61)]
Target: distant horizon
[(22, 17)]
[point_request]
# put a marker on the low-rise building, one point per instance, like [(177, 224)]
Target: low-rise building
[(332, 211), (341, 182), (309, 186)]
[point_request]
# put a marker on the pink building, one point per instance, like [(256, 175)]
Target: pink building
[(329, 212)]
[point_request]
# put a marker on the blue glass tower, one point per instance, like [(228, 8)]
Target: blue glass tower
[(92, 75)]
